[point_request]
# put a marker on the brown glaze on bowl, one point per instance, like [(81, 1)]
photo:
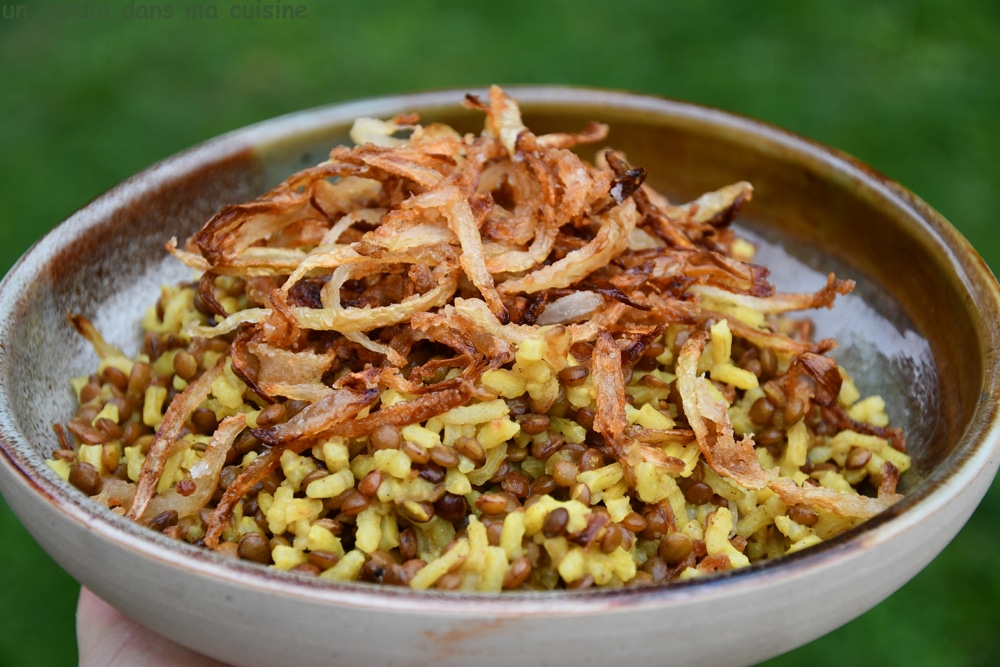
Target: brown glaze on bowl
[(923, 325)]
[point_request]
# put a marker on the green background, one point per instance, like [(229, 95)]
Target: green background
[(910, 87)]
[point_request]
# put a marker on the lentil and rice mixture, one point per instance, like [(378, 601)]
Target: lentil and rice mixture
[(480, 362)]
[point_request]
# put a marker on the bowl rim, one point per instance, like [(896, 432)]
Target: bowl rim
[(977, 449)]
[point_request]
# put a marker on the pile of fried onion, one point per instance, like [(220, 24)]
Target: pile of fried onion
[(420, 259)]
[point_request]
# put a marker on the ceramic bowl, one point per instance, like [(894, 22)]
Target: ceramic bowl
[(922, 330)]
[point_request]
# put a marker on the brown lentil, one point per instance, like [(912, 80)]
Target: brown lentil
[(446, 457), (143, 442), (110, 428), (335, 527), (516, 454), (768, 362), (451, 507), (770, 436), (825, 428), (794, 410), (699, 548), (271, 415), (754, 366), (698, 493), (555, 522), (858, 458), (501, 473), (580, 492), (573, 376), (533, 424), (449, 582), (572, 451), (591, 460), (641, 578), (517, 484), (518, 405), (412, 566), (415, 452), (775, 393), (306, 568), (674, 547), (531, 500), (471, 449), (324, 560), (247, 442), (492, 503), (227, 475), (368, 486), (386, 436), (396, 575), (185, 366), (584, 582), (85, 477), (354, 503), (131, 433), (543, 485), (254, 547), (762, 411), (205, 421), (432, 472), (89, 392), (408, 543), (138, 379), (163, 520), (84, 431), (116, 377), (612, 538), (585, 418), (494, 531), (805, 516), (517, 573), (86, 413), (634, 522), (657, 523)]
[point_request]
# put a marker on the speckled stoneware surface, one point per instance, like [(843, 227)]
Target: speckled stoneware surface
[(923, 326)]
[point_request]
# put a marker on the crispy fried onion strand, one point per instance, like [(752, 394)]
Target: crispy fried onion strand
[(339, 406), (609, 391), (85, 328), (169, 431), (839, 502), (706, 412), (204, 474), (780, 303)]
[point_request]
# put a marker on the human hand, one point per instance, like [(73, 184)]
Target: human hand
[(105, 638)]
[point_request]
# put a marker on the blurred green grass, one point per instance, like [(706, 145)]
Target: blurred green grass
[(910, 87)]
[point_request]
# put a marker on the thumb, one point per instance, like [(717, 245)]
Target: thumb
[(105, 637)]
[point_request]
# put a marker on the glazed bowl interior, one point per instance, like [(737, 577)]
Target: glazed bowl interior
[(920, 329)]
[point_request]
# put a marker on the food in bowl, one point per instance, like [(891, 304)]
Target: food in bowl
[(481, 363)]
